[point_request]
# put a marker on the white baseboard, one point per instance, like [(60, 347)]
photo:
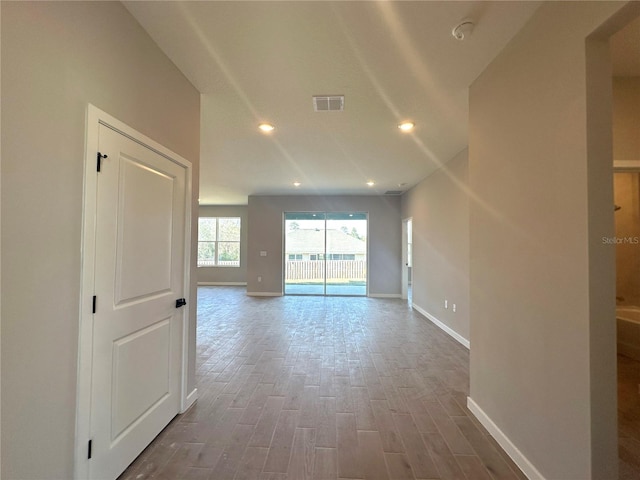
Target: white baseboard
[(191, 398), (516, 455), (456, 336), (264, 294), (385, 295), (228, 284)]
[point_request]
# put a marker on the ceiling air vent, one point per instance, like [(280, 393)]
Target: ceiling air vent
[(328, 103), (393, 192)]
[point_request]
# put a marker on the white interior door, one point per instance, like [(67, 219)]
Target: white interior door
[(139, 275)]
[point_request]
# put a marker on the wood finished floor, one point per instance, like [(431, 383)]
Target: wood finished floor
[(629, 418), (294, 388)]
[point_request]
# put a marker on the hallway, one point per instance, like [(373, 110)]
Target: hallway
[(324, 388)]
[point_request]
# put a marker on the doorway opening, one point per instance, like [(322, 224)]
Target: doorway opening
[(325, 253), (407, 259), (626, 212), (627, 236)]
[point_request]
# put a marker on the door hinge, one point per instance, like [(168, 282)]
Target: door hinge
[(100, 157), (89, 449), (95, 302)]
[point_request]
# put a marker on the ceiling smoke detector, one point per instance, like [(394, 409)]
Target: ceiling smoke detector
[(462, 30), (328, 103)]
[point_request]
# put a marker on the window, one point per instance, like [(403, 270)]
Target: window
[(219, 242), (296, 256)]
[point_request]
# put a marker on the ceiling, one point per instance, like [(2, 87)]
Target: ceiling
[(257, 61)]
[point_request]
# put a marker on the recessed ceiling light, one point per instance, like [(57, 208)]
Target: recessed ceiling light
[(296, 184), (371, 183), (406, 126), (266, 127)]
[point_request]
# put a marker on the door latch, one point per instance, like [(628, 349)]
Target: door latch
[(181, 302)]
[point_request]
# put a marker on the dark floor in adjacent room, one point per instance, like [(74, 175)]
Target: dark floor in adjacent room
[(629, 417), (323, 388)]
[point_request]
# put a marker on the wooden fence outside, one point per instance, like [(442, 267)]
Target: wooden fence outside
[(221, 263), (336, 269)]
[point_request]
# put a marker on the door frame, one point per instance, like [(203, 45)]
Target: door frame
[(405, 258), (94, 118)]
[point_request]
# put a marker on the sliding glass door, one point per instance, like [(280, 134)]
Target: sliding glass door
[(346, 254), (304, 253), (325, 253)]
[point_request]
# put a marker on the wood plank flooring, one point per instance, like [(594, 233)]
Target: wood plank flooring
[(295, 388), (629, 418)]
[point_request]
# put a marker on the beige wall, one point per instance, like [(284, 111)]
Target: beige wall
[(439, 207), (56, 58), (266, 227), (228, 275), (626, 118), (541, 279)]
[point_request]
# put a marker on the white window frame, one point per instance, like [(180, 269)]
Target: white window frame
[(217, 241)]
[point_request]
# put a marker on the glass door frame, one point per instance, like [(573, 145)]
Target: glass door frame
[(326, 217)]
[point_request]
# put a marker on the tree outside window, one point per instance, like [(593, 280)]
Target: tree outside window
[(219, 242)]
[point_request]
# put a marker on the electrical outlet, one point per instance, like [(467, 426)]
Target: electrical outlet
[(454, 308), (259, 278)]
